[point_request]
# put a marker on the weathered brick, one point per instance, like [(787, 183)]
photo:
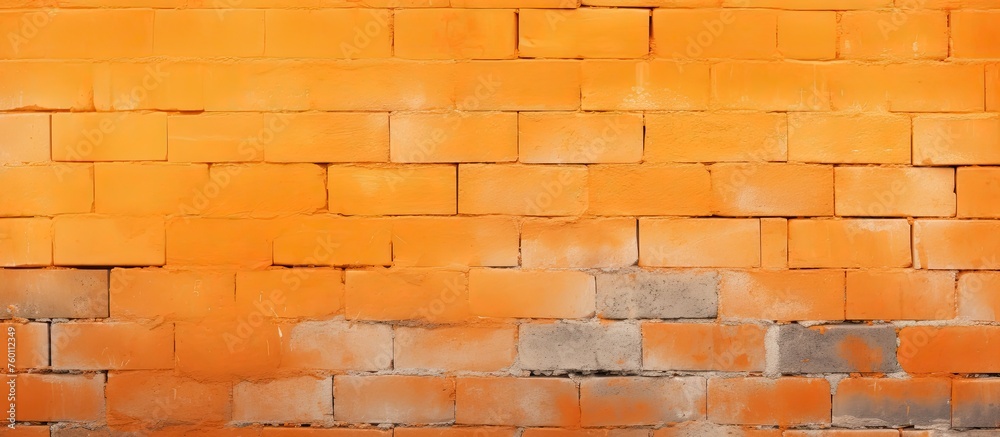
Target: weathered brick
[(543, 294), (849, 243), (614, 401), (881, 34), (579, 346), (328, 240), (60, 397), (454, 137), (951, 140), (403, 190), (455, 241), (888, 402), (771, 86), (522, 190), (956, 244), (648, 294), (583, 33), (949, 349), (116, 346), (329, 33), (71, 294), (579, 138), (977, 296), (895, 192), (715, 137), (25, 242), (393, 399), (31, 347), (336, 345), (46, 190), (229, 348), (97, 240), (974, 34), (975, 403), (792, 401), (154, 399), (291, 293), (170, 294), (265, 190), (597, 243), (237, 242), (881, 139), (744, 189), (900, 295), (522, 85), (644, 85), (122, 136), (27, 138), (783, 295), (774, 243), (454, 33), (699, 242), (319, 137), (714, 33), (517, 401), (297, 399), (807, 34), (454, 431), (837, 349), (649, 190), (978, 189), (450, 349), (702, 346), (203, 32), (407, 294), (146, 188)]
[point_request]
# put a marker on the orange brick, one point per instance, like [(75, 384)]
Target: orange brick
[(325, 137), (324, 240), (644, 85), (956, 244), (333, 344), (857, 87), (975, 34), (518, 85), (793, 401), (25, 242), (583, 33), (46, 85), (774, 243), (407, 294), (716, 136), (950, 140), (846, 433), (295, 399), (849, 243), (195, 32), (235, 242), (898, 192), (133, 86), (978, 191), (91, 240), (152, 399), (583, 138), (262, 190), (592, 243), (28, 431), (54, 293), (883, 34), (900, 295), (274, 431), (219, 137), (452, 349), (892, 401), (649, 189), (531, 294), (227, 349), (327, 33), (993, 87), (171, 294), (116, 346), (26, 138), (711, 242), (77, 33), (455, 33), (938, 87), (773, 86), (975, 402), (290, 293), (714, 33), (394, 399), (881, 139), (772, 189), (146, 188), (517, 401), (949, 349), (522, 190), (977, 296), (694, 428), (807, 34), (809, 4), (397, 190), (60, 397), (31, 350), (641, 401), (120, 136), (785, 295), (702, 346), (454, 137), (455, 241), (454, 431)]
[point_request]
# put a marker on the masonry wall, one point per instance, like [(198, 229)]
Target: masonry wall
[(500, 218)]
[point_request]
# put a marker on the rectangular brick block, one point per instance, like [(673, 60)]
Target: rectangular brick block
[(46, 190), (522, 85), (583, 33), (207, 33), (31, 344), (27, 138), (784, 295), (219, 137), (291, 293), (940, 140), (46, 85), (155, 398), (407, 294), (455, 33), (321, 136), (70, 294), (531, 293), (794, 401), (896, 192), (221, 350), (644, 85), (454, 137), (149, 85), (613, 401), (892, 402), (774, 243), (328, 240), (60, 397), (114, 346), (77, 33), (455, 241), (148, 188), (775, 86), (978, 191), (393, 399), (355, 190), (237, 242), (837, 349), (25, 242), (171, 294), (948, 349), (943, 87), (450, 349), (645, 294), (93, 240), (296, 399), (517, 401), (329, 33), (715, 137), (522, 190), (900, 295), (956, 244), (714, 33), (974, 34), (702, 346), (977, 296), (807, 34), (743, 189), (975, 402), (710, 242), (588, 243), (579, 138), (579, 346), (264, 190), (880, 35), (649, 189), (122, 136), (336, 345), (849, 243), (880, 139)]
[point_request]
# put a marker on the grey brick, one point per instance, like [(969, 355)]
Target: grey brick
[(892, 402), (841, 348), (612, 401), (53, 293), (977, 403), (580, 346), (658, 295)]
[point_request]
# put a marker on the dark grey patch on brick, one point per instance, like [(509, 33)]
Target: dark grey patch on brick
[(658, 295)]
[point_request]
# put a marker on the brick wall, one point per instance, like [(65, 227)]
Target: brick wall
[(500, 218)]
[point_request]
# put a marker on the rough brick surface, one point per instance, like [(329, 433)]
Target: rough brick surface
[(575, 346), (892, 402), (837, 349), (657, 295)]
